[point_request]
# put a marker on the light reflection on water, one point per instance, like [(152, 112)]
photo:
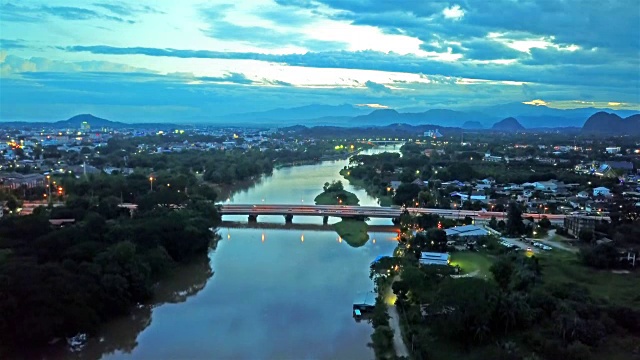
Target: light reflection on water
[(263, 293)]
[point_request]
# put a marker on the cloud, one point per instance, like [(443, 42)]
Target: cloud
[(621, 76), (276, 36), (12, 66), (453, 12), (377, 88), (17, 13), (232, 77), (7, 44), (124, 9)]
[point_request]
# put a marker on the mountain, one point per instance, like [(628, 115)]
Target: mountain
[(472, 125), (93, 121), (313, 111), (540, 116), (508, 125), (607, 123), (440, 117)]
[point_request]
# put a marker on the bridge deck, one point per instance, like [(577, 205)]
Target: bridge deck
[(360, 211)]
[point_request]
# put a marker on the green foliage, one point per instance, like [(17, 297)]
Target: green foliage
[(603, 256), (515, 226), (334, 194), (406, 194), (61, 282)]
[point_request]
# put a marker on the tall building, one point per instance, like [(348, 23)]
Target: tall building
[(85, 126)]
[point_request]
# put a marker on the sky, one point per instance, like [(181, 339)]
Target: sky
[(167, 60)]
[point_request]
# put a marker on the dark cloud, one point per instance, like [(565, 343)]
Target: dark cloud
[(124, 9), (222, 29), (586, 23), (623, 75), (232, 77), (377, 88), (18, 13), (6, 44)]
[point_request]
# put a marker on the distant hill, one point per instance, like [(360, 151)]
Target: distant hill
[(472, 125), (509, 125), (606, 123), (297, 114), (93, 121)]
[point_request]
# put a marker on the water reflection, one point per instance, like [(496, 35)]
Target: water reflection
[(120, 337)]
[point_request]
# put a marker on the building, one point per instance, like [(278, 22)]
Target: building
[(612, 150), (433, 258), (612, 168), (474, 196), (85, 127), (432, 134), (575, 224), (16, 180), (491, 158), (466, 232), (603, 191), (545, 185)]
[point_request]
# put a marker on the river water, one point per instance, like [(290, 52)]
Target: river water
[(262, 293)]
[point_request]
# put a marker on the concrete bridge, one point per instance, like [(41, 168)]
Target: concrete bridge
[(343, 211)]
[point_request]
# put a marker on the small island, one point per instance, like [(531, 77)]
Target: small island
[(353, 231), (335, 194)]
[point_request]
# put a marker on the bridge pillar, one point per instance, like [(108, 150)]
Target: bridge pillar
[(253, 218), (288, 219), (325, 220)]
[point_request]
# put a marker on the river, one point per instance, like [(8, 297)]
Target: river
[(262, 293)]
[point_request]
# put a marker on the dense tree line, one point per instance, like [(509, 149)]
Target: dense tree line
[(514, 309), (58, 282)]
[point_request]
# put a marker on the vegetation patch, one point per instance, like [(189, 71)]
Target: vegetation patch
[(354, 232), (384, 198), (335, 194), (561, 267), (471, 262)]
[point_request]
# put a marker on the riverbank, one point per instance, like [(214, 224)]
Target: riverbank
[(370, 189)]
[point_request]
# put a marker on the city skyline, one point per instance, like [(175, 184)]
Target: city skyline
[(189, 60)]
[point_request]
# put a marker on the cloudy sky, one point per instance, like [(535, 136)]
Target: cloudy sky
[(192, 60)]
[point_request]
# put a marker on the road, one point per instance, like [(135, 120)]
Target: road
[(394, 323), (366, 211)]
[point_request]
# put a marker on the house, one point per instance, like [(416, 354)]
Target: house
[(545, 185), (420, 182), (611, 168), (433, 258), (395, 184), (601, 191), (474, 196), (583, 195)]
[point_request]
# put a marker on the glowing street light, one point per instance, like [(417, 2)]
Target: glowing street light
[(151, 183)]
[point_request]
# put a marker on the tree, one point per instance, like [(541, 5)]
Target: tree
[(585, 235), (544, 222), (502, 271), (406, 194), (515, 225), (493, 223), (12, 204)]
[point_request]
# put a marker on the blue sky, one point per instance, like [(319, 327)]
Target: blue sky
[(194, 60)]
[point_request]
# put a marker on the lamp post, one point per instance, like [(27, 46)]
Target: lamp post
[(150, 183)]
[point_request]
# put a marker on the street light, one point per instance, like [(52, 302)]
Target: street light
[(151, 183)]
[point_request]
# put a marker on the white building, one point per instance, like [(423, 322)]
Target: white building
[(612, 150), (545, 185)]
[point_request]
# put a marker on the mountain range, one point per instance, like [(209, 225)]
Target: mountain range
[(606, 123), (529, 116)]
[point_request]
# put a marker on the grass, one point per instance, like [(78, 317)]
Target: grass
[(563, 267), (354, 232), (331, 198), (470, 261)]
